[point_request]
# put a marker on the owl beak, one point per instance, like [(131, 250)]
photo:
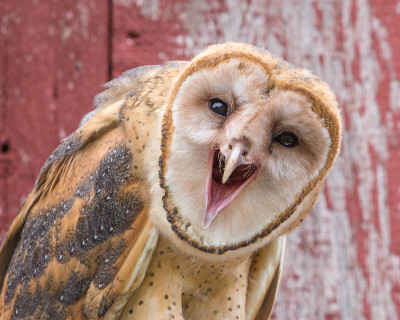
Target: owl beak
[(232, 162)]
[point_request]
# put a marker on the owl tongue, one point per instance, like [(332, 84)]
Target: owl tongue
[(219, 195)]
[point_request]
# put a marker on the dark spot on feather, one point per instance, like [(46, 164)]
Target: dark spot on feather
[(241, 66), (85, 188), (43, 302), (104, 306), (27, 302), (74, 288), (107, 267), (35, 250)]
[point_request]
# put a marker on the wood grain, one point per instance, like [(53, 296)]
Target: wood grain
[(344, 261)]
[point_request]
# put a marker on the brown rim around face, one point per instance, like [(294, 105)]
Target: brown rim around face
[(303, 86)]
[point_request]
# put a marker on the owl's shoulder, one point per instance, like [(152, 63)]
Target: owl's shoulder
[(139, 81), (89, 201)]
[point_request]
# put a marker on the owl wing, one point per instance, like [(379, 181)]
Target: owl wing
[(82, 242), (264, 277)]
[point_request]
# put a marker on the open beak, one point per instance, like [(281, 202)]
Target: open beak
[(227, 177)]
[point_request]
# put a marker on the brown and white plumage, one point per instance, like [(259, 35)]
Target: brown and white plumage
[(173, 197)]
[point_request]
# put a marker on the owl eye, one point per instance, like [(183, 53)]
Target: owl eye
[(287, 139), (218, 106)]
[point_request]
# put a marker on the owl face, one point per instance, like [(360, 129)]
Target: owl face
[(241, 151)]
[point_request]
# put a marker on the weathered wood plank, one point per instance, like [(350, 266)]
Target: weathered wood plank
[(344, 261), (144, 34), (53, 60)]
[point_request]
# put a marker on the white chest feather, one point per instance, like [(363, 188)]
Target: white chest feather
[(180, 286)]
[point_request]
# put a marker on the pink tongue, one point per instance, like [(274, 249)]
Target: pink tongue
[(220, 197)]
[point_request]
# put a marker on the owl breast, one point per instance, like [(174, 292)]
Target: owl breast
[(193, 289)]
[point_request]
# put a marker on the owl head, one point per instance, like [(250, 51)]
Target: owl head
[(247, 140)]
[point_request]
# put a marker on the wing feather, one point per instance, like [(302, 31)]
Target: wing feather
[(81, 244), (264, 277), (11, 239)]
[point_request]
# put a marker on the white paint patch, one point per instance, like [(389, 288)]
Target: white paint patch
[(323, 275), (66, 33), (84, 17), (24, 157), (62, 134), (148, 8), (395, 95)]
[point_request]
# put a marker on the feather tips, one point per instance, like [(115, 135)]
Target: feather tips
[(84, 227)]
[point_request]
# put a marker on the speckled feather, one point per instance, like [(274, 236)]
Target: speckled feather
[(100, 236), (83, 228)]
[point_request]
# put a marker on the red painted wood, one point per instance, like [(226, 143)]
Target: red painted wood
[(344, 261), (53, 59), (144, 37)]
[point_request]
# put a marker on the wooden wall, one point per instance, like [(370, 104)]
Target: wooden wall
[(344, 261)]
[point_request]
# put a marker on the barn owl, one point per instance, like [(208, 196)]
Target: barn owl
[(173, 198)]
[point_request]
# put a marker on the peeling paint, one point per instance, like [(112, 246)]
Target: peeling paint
[(342, 262), (84, 17), (149, 8)]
